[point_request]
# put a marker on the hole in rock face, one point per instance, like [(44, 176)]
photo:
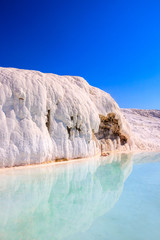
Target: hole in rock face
[(77, 128), (48, 120), (69, 131), (110, 129), (123, 140)]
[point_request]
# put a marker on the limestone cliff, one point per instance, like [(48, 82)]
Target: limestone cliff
[(44, 117)]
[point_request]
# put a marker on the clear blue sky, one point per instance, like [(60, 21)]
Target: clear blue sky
[(114, 45)]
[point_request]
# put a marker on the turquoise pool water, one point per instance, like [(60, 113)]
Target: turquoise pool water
[(112, 198)]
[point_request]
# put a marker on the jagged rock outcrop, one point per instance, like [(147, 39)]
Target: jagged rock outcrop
[(111, 135), (44, 117)]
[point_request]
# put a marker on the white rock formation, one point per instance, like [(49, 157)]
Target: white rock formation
[(44, 117), (145, 127)]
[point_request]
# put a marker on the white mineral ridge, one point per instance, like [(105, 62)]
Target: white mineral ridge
[(44, 117), (145, 127), (69, 106)]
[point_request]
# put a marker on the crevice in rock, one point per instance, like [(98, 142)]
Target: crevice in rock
[(72, 131), (48, 120), (77, 128), (69, 131)]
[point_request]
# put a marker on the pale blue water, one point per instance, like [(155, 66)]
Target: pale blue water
[(112, 198)]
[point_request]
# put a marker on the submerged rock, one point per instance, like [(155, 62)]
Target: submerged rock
[(45, 117)]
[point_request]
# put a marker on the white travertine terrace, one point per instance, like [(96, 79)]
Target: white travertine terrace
[(44, 117), (145, 128)]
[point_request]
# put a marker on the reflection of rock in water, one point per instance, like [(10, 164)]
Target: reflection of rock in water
[(56, 202), (145, 157)]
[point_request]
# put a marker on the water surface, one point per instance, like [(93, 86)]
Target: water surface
[(112, 198)]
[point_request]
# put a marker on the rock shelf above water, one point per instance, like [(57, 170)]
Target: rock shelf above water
[(45, 117)]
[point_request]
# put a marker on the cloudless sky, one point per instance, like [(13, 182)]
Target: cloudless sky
[(114, 45)]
